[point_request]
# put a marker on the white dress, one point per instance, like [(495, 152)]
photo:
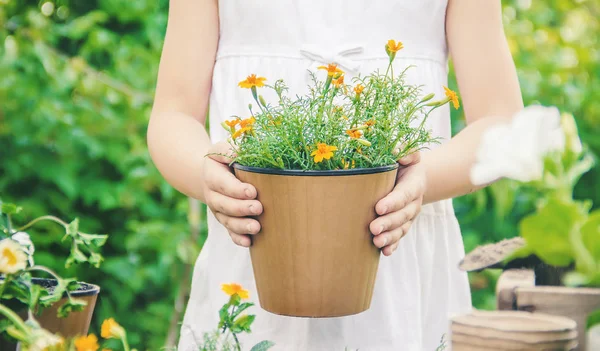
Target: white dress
[(419, 287)]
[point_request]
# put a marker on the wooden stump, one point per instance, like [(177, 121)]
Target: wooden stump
[(512, 330), (516, 290)]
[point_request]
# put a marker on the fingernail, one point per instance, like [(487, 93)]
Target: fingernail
[(248, 192), (381, 229), (384, 211), (250, 228), (254, 209)]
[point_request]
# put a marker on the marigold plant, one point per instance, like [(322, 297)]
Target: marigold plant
[(374, 121)]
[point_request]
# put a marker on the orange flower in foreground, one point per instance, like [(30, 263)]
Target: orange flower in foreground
[(452, 96), (359, 89), (110, 329), (338, 82), (332, 69), (252, 81), (394, 47), (87, 343), (233, 288), (354, 134), (323, 151)]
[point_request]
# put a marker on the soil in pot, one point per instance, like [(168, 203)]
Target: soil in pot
[(314, 255)]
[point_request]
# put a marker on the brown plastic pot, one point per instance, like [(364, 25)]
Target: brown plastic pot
[(76, 323), (314, 255)]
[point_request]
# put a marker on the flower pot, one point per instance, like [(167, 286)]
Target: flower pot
[(76, 323), (314, 255), (512, 330), (516, 289)]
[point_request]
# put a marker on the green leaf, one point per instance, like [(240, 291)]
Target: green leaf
[(593, 319), (97, 240), (224, 315), (73, 227), (241, 308), (10, 209), (95, 259), (243, 323), (263, 346), (72, 305), (547, 231), (590, 234)]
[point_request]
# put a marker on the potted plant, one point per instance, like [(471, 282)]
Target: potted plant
[(554, 266), (320, 162), (59, 305)]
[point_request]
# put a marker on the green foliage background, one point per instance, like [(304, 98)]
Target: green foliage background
[(76, 86)]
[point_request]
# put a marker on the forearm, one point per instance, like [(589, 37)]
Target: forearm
[(448, 166), (178, 144)]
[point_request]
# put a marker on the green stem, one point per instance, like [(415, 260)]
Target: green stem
[(5, 284), (14, 318), (43, 218), (125, 343), (237, 342)]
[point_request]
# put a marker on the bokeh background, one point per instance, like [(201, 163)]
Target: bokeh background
[(76, 87)]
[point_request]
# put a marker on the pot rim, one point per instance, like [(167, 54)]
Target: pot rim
[(89, 289), (313, 173)]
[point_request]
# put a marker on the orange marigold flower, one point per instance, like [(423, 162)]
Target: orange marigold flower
[(338, 82), (247, 122), (252, 81), (323, 151), (110, 329), (452, 96), (354, 134), (332, 69), (232, 123), (370, 123), (87, 343), (233, 288), (241, 131), (348, 164), (359, 89), (394, 47)]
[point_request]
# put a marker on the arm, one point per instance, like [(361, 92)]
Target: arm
[(488, 83), (177, 138)]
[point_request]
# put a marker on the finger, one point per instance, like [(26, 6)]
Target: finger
[(410, 159), (398, 234), (238, 225), (233, 207), (241, 240), (218, 178), (221, 152), (395, 219), (403, 194)]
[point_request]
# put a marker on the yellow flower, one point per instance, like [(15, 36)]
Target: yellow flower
[(338, 82), (394, 47), (247, 122), (111, 329), (252, 81), (354, 134), (359, 89), (239, 132), (233, 288), (332, 69), (370, 123), (12, 257), (452, 96), (87, 343), (323, 151), (232, 123)]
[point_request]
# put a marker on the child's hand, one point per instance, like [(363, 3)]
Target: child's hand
[(401, 206), (228, 198)]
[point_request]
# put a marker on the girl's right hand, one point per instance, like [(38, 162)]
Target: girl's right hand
[(229, 199)]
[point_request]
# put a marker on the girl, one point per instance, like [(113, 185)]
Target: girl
[(211, 45)]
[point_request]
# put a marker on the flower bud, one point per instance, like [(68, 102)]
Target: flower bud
[(427, 97), (573, 143), (364, 142), (262, 100)]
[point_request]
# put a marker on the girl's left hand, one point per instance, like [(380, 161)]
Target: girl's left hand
[(398, 209)]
